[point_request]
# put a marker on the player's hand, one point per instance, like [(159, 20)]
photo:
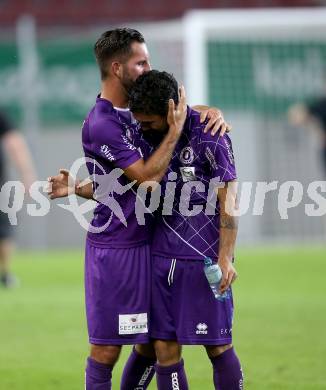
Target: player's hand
[(216, 121), (177, 114), (61, 185), (229, 274)]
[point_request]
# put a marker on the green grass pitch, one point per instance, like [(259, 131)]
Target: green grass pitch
[(279, 329)]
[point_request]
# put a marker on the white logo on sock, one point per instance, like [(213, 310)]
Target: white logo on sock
[(175, 381), (144, 377), (241, 380)]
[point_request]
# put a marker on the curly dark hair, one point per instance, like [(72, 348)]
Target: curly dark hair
[(115, 43), (151, 92)]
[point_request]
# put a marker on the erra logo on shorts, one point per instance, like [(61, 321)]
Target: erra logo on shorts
[(201, 328), (175, 381), (133, 323)]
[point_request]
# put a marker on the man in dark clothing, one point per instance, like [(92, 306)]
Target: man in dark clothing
[(312, 115), (15, 146)]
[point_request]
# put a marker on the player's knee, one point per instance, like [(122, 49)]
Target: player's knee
[(167, 352), (146, 350), (106, 354), (215, 350)]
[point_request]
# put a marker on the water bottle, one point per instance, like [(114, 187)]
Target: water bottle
[(213, 274)]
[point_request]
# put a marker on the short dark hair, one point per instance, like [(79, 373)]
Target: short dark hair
[(115, 43), (151, 92)]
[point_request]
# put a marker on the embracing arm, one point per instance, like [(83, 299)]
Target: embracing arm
[(216, 121), (153, 169)]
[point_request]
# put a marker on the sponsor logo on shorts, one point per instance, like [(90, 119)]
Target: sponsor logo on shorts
[(175, 381), (133, 323), (201, 328)]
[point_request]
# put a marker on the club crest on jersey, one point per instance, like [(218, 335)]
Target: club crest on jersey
[(188, 173), (187, 155)]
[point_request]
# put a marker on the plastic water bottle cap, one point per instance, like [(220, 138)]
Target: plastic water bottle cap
[(208, 261)]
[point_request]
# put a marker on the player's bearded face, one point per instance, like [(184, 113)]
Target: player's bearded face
[(127, 80), (155, 124)]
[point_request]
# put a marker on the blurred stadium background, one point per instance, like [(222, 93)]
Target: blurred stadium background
[(253, 59)]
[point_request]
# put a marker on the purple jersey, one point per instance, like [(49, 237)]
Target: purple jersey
[(197, 157), (112, 140)]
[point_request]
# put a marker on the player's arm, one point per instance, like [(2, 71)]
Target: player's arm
[(154, 168), (216, 121), (228, 232), (19, 153), (219, 154)]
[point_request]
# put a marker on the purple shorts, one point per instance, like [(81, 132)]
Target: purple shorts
[(117, 294), (183, 306)]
